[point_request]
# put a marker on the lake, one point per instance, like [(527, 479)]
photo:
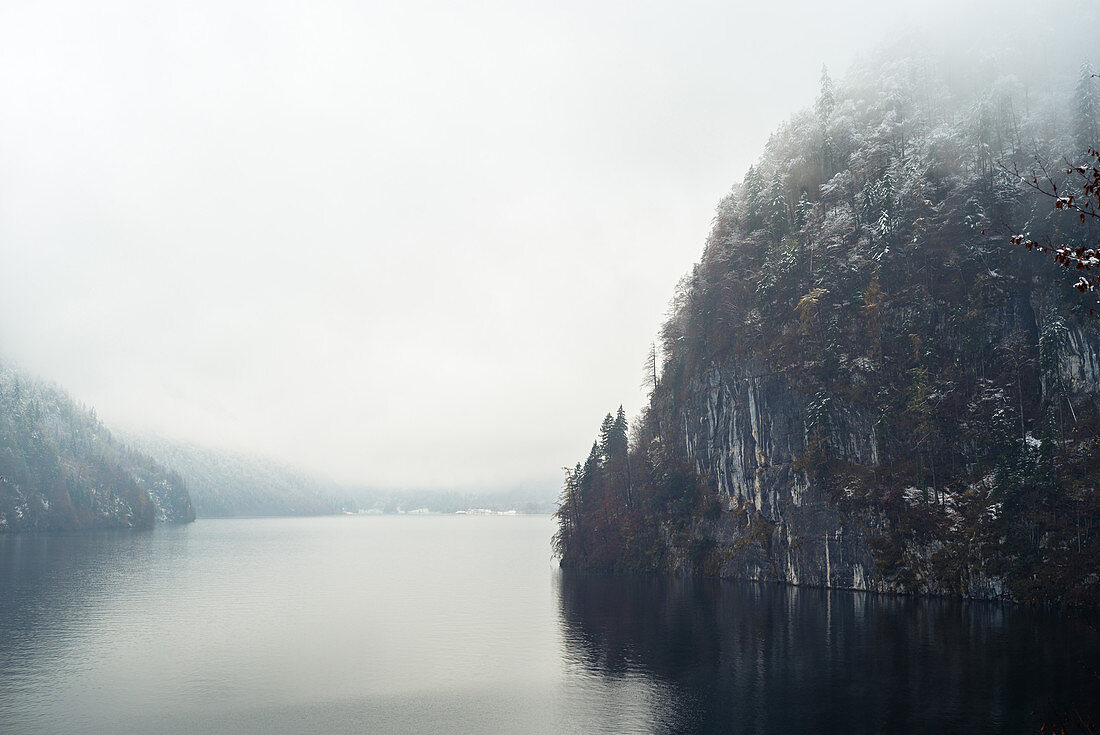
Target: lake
[(463, 624)]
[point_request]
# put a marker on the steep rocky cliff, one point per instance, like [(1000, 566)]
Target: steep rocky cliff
[(60, 468), (745, 434), (865, 384), (784, 519)]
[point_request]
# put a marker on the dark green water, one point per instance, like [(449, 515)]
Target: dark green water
[(463, 625)]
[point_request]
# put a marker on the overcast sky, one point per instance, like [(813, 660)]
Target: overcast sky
[(401, 243)]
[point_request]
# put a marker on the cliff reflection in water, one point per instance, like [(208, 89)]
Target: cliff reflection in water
[(746, 657)]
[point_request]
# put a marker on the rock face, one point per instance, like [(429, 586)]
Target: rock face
[(1079, 365), (745, 433)]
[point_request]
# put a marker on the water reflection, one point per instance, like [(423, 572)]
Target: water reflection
[(461, 625), (742, 657)]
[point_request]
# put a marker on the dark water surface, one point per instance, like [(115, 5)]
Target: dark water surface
[(454, 624)]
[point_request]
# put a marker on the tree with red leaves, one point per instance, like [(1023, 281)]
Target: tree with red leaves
[(1079, 196)]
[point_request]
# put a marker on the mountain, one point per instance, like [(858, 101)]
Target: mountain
[(226, 484), (864, 383), (232, 484), (61, 469)]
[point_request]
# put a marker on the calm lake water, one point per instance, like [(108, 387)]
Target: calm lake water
[(453, 624)]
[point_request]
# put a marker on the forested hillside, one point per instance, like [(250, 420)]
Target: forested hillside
[(61, 469), (865, 382), (225, 484)]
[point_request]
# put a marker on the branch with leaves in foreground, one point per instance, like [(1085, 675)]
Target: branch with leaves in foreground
[(1086, 204)]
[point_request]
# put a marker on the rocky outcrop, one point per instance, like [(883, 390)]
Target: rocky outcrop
[(745, 432), (863, 385), (1079, 365)]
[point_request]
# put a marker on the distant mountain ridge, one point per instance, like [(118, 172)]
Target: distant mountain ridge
[(226, 484), (61, 469)]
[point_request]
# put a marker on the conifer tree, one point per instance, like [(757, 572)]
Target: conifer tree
[(607, 428)]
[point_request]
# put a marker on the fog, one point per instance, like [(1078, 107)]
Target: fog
[(402, 244)]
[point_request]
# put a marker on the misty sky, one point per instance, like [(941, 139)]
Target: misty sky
[(403, 244)]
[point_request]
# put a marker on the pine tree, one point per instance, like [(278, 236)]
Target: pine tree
[(607, 429), (778, 212), (617, 441), (752, 189), (800, 211)]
